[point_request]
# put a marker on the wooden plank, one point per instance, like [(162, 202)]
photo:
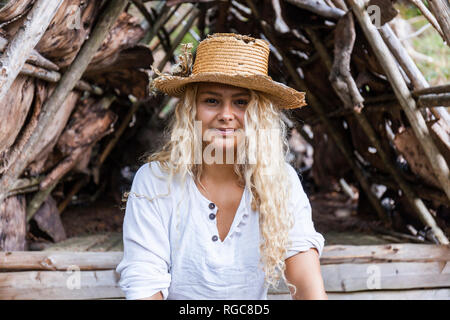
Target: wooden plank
[(58, 259), (385, 276), (77, 284), (41, 260), (380, 276), (45, 285), (401, 252), (426, 294)]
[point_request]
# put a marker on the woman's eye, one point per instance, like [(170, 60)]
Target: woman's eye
[(242, 102), (210, 100)]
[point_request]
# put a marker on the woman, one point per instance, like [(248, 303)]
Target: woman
[(218, 213)]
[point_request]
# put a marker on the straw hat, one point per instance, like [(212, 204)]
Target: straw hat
[(232, 59)]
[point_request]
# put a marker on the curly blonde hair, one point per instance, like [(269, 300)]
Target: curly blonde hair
[(267, 177)]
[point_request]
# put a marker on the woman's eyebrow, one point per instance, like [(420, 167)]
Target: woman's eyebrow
[(219, 95)]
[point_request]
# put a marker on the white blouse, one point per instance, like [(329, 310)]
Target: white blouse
[(172, 244)]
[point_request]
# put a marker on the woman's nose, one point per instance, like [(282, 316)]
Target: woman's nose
[(226, 112)]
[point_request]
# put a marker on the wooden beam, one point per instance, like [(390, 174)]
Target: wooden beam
[(399, 252), (35, 57), (332, 254), (68, 284), (431, 100), (58, 261), (20, 48), (424, 294), (397, 275), (445, 88), (437, 161)]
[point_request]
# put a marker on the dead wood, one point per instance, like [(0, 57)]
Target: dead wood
[(64, 87), (48, 220), (14, 8), (68, 31), (340, 75), (90, 122), (13, 224), (23, 42), (319, 8), (13, 111), (35, 57)]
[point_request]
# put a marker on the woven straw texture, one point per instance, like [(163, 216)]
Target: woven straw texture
[(236, 60)]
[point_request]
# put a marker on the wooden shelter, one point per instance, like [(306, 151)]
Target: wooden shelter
[(74, 74)]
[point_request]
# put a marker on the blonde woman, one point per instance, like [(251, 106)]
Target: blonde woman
[(218, 213)]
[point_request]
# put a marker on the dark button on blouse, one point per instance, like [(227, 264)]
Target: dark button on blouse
[(215, 238), (212, 205), (212, 216)]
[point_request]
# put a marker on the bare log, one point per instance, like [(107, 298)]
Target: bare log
[(343, 83), (436, 89), (427, 14), (432, 100), (12, 224), (35, 57), (54, 261), (68, 30), (319, 8), (89, 124), (53, 76), (13, 9), (40, 73), (19, 49), (441, 10), (408, 104), (13, 112), (67, 83), (384, 253)]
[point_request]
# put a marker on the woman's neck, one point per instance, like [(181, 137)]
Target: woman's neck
[(219, 173)]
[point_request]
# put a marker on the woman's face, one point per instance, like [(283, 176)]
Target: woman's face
[(221, 109)]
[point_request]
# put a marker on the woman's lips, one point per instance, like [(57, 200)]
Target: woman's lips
[(226, 132)]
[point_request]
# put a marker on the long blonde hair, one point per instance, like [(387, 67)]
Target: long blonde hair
[(267, 177)]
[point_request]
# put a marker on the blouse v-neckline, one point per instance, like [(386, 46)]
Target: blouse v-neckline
[(239, 215)]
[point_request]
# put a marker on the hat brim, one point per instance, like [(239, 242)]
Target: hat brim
[(282, 95)]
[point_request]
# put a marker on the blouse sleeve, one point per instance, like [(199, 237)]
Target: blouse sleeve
[(303, 235), (144, 268)]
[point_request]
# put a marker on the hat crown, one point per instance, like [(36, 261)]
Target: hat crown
[(231, 53)]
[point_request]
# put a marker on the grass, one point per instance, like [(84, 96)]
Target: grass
[(428, 43)]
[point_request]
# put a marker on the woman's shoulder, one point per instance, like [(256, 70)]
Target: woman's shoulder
[(291, 171), (149, 177)]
